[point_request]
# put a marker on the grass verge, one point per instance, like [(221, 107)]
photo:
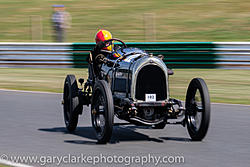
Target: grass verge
[(3, 165), (174, 20), (225, 86)]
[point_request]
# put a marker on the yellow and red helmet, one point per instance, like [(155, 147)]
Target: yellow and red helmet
[(103, 35)]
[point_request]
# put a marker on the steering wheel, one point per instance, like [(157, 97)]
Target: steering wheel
[(116, 39), (109, 41)]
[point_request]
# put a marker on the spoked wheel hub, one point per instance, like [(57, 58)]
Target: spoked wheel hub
[(98, 113), (195, 112)]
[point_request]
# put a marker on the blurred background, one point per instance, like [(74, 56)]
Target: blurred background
[(131, 21), (151, 20)]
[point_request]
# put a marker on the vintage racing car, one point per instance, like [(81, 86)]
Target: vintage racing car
[(134, 88)]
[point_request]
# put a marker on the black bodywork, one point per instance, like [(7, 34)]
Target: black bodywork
[(134, 87), (151, 79)]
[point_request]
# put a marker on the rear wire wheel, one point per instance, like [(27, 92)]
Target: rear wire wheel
[(197, 109), (71, 106), (102, 111)]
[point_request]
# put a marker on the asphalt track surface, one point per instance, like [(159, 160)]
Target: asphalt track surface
[(32, 124)]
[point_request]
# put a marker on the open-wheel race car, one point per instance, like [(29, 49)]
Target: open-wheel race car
[(134, 88)]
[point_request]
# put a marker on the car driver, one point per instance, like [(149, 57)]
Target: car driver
[(101, 48)]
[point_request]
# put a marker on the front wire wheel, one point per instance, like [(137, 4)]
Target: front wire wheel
[(197, 109), (102, 111)]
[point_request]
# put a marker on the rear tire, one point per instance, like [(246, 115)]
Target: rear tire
[(102, 111), (197, 109), (71, 106)]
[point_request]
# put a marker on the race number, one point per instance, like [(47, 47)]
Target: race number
[(150, 97)]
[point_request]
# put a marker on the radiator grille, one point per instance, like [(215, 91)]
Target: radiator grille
[(151, 79)]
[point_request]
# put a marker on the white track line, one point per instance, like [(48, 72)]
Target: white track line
[(24, 91), (10, 163), (244, 105)]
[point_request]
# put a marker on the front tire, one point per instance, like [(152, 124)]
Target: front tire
[(71, 106), (102, 111), (197, 109)]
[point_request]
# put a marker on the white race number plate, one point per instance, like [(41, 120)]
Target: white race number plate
[(150, 97)]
